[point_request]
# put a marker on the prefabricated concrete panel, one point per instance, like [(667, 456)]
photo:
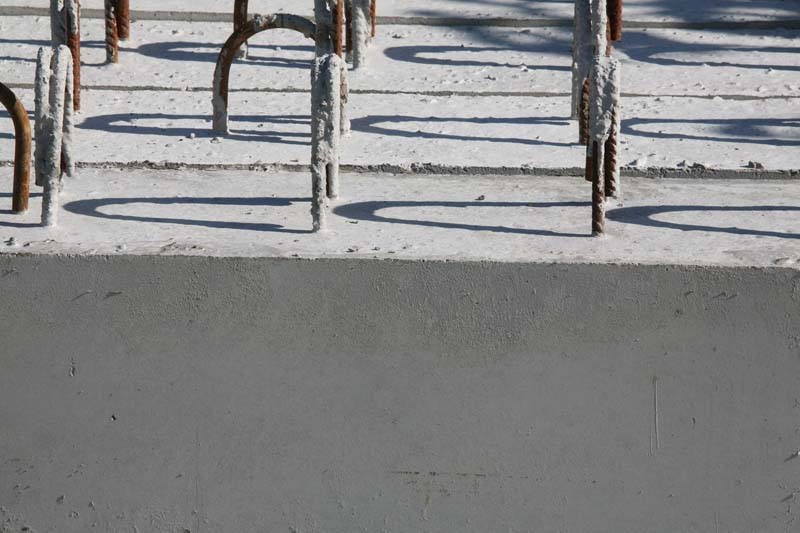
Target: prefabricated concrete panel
[(164, 394)]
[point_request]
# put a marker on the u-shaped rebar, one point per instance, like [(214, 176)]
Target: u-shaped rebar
[(226, 56), (22, 149)]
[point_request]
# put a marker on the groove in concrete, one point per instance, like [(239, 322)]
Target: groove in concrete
[(189, 16), (508, 94), (431, 169)]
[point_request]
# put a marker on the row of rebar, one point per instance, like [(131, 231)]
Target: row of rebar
[(337, 24)]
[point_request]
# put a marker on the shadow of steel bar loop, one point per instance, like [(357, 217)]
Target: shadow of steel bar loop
[(22, 148)]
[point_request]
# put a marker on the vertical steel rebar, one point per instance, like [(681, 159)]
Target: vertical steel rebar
[(112, 38), (123, 20), (348, 27), (361, 30), (598, 192), (373, 15), (22, 149), (338, 23), (41, 109), (581, 54), (325, 136), (240, 16), (53, 133), (72, 17), (614, 8), (583, 113), (611, 166)]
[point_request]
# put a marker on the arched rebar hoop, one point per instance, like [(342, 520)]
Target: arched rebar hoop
[(241, 13), (22, 149), (256, 25)]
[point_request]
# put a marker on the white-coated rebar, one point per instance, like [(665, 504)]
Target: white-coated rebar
[(42, 109), (599, 39), (344, 98), (58, 29), (581, 53), (604, 108), (68, 168), (323, 18), (325, 135), (53, 119), (362, 33)]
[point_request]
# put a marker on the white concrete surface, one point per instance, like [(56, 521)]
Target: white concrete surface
[(519, 219), (453, 131), (658, 62)]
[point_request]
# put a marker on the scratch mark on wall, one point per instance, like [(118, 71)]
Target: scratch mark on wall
[(655, 411)]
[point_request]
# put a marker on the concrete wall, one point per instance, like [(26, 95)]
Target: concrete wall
[(167, 394)]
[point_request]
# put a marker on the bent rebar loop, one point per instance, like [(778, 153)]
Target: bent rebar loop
[(257, 24), (54, 126), (22, 149)]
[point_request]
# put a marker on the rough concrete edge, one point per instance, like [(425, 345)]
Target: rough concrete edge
[(194, 16), (433, 169), (438, 260)]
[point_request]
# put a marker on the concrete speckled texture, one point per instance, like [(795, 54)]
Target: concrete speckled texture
[(201, 394)]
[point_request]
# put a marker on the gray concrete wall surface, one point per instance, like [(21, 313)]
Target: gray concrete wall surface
[(194, 394)]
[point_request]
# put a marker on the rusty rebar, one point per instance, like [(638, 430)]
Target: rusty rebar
[(611, 159), (72, 16), (373, 14), (257, 24), (338, 25), (112, 37), (598, 192), (583, 113), (240, 16), (348, 25), (123, 20), (240, 10), (614, 9), (22, 149)]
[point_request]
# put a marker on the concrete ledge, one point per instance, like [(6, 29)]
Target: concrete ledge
[(167, 394)]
